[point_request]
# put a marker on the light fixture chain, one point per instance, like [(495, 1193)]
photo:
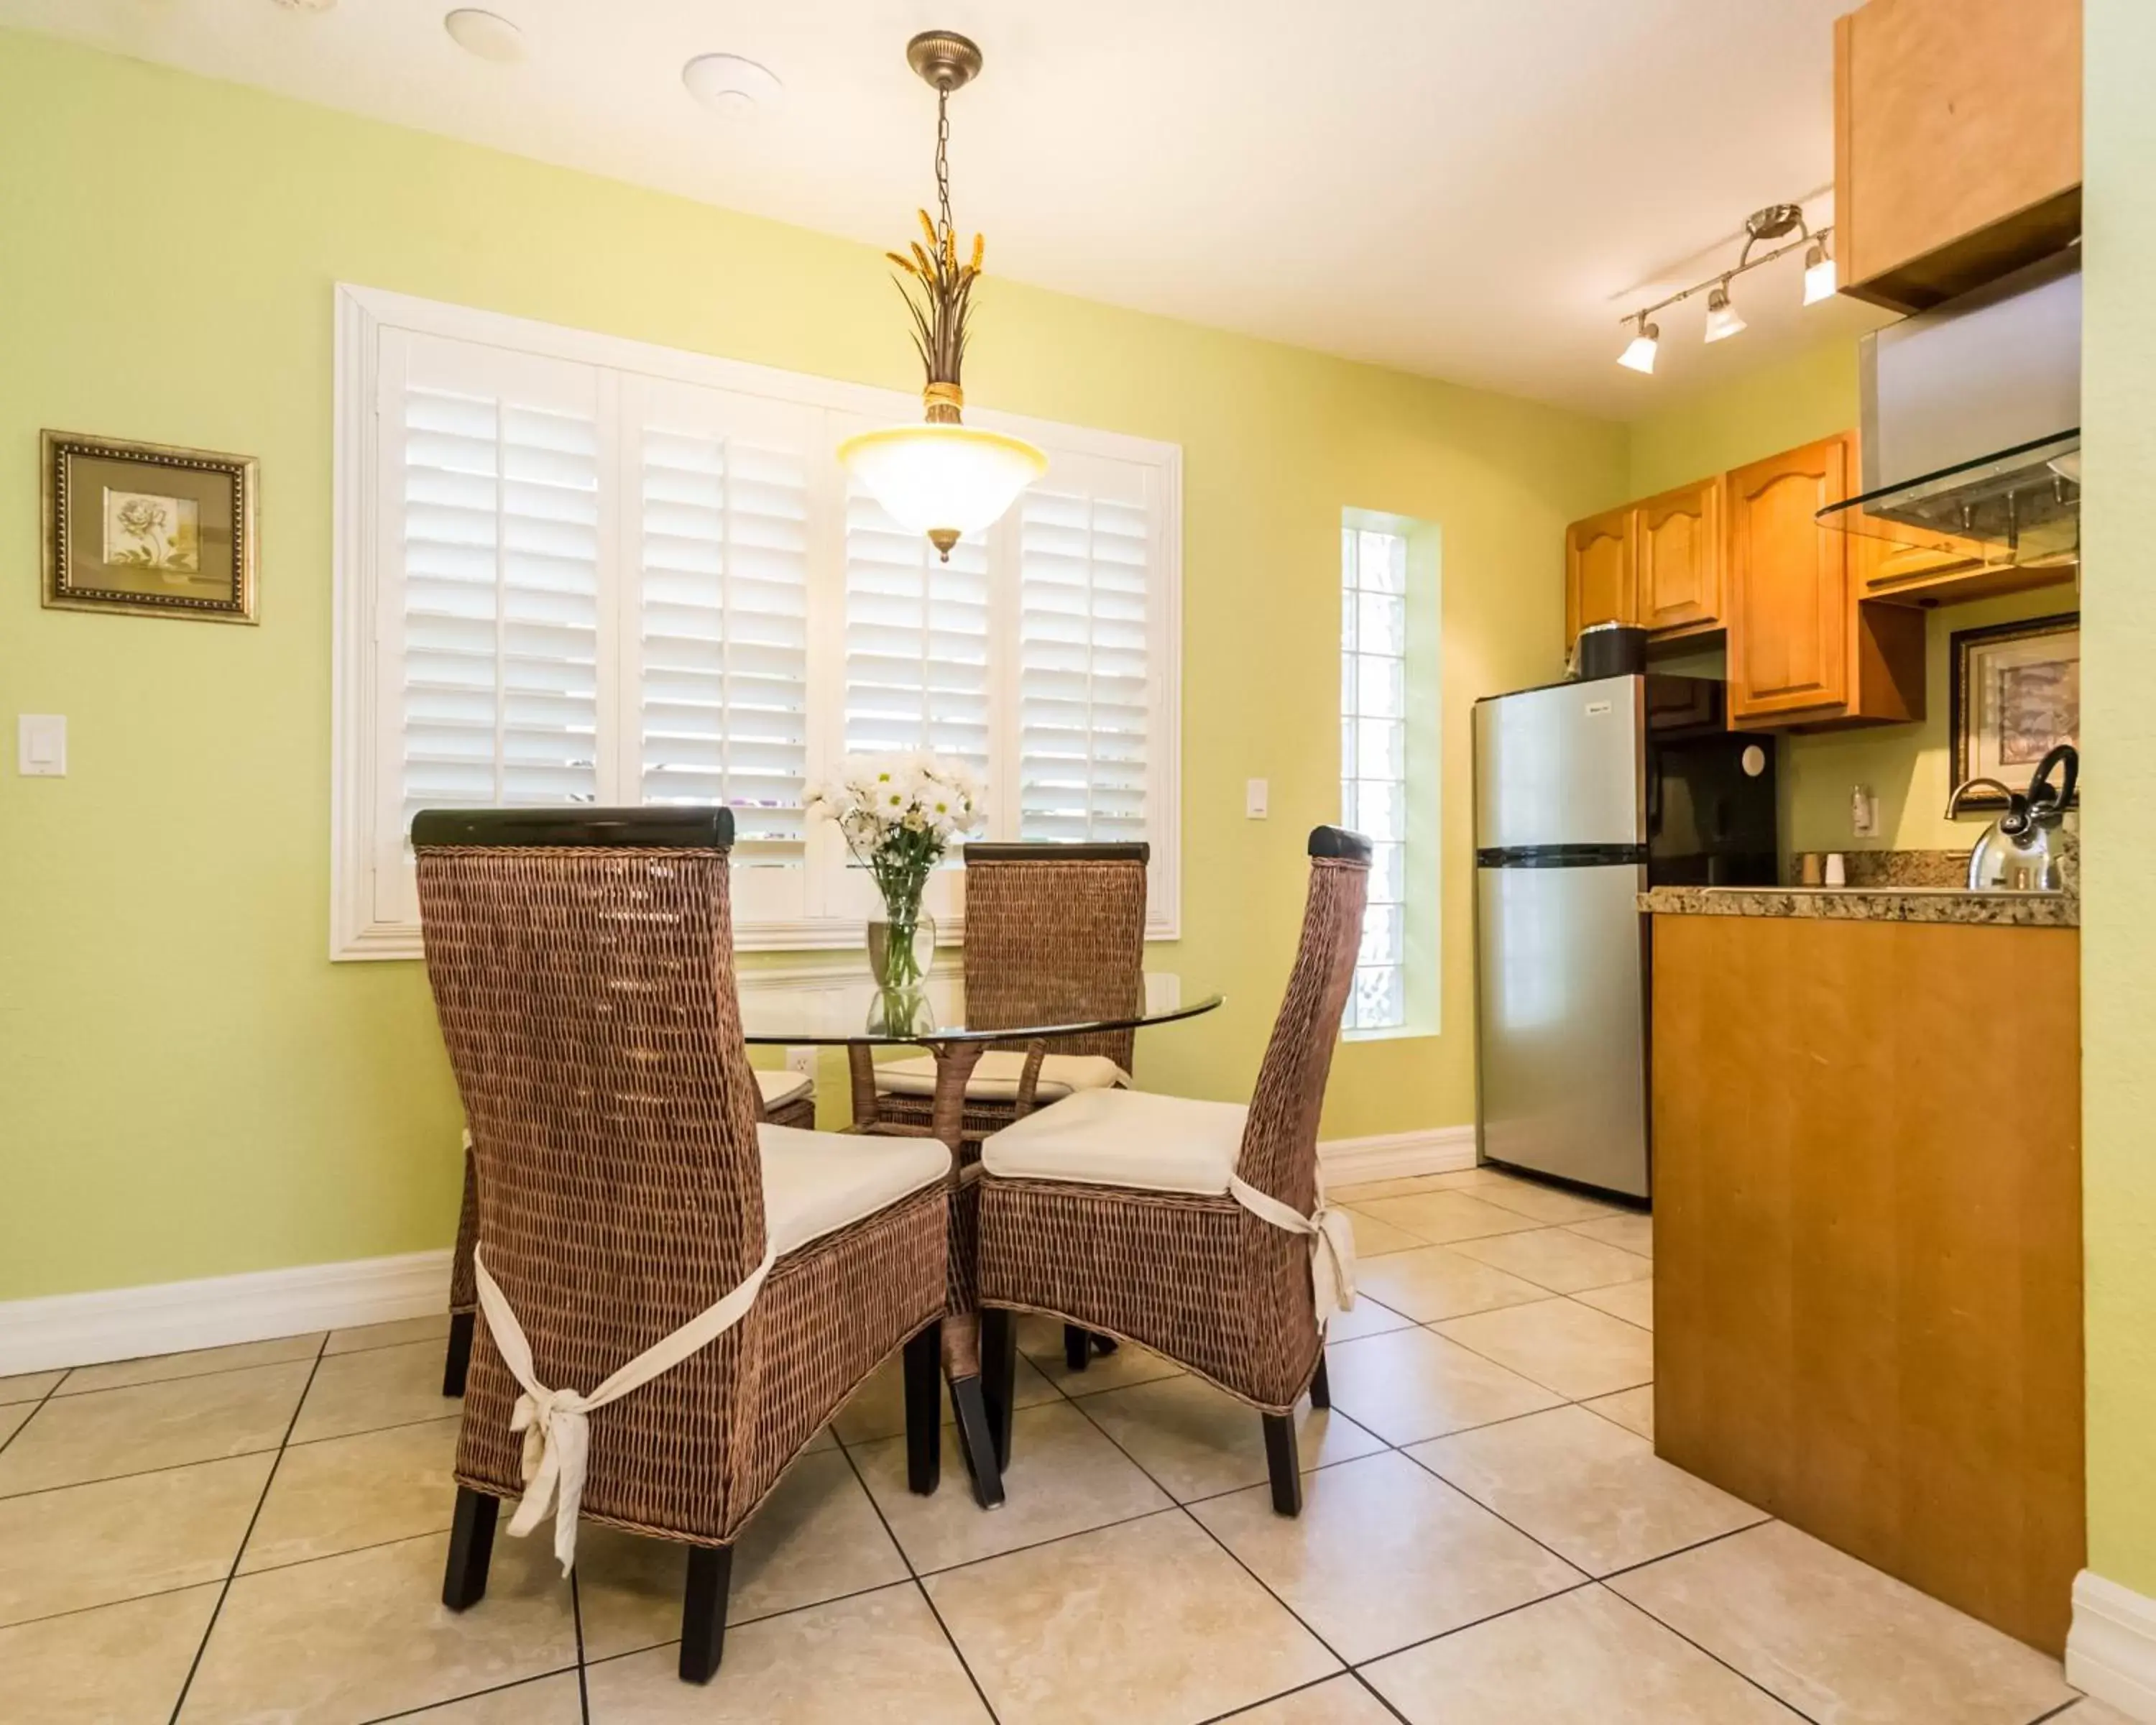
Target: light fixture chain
[(943, 162)]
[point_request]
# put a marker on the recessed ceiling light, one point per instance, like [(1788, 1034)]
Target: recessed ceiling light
[(728, 84), (487, 34)]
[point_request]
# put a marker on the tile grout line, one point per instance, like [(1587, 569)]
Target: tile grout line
[(278, 1448), (1789, 1707), (36, 1407), (429, 1706), (906, 1556), (576, 1618), (239, 1551)]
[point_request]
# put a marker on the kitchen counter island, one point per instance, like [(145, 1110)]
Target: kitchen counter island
[(1867, 1231)]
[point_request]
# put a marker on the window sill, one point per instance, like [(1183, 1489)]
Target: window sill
[(1394, 1033)]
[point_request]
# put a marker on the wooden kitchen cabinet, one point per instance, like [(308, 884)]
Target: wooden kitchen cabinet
[(1805, 649), (1598, 583), (1867, 1268), (1677, 556), (1957, 143)]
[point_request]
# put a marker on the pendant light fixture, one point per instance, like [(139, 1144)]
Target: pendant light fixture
[(943, 478)]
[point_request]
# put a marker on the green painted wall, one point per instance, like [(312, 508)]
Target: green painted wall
[(192, 1088), (2118, 831), (1909, 767)]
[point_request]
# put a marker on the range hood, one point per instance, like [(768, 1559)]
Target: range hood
[(1971, 424)]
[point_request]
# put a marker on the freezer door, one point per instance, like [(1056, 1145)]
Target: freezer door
[(1564, 765), (1561, 1004)]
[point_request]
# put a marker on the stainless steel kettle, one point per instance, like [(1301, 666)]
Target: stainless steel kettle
[(2019, 852)]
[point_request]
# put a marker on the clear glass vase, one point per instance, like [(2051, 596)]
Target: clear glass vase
[(902, 945)]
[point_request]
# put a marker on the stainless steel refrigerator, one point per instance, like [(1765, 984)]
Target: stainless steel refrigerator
[(1585, 793)]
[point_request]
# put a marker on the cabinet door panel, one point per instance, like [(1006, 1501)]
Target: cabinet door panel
[(1791, 615), (1677, 551), (1598, 572)]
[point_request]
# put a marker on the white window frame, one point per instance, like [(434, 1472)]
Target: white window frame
[(364, 743)]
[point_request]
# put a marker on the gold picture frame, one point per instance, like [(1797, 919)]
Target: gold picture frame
[(153, 529), (2016, 692)]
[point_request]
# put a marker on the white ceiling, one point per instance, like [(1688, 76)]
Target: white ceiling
[(1458, 187)]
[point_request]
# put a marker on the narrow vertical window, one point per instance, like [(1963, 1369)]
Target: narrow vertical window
[(1374, 761)]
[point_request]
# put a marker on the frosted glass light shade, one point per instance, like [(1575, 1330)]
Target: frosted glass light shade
[(943, 480), (1723, 320), (1820, 280), (1638, 354)]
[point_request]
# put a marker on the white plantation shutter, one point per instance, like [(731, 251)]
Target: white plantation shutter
[(493, 519), (1084, 654), (574, 570), (917, 635), (722, 562)]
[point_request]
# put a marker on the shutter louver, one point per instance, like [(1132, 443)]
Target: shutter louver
[(500, 523), (724, 606), (1083, 693), (916, 641)]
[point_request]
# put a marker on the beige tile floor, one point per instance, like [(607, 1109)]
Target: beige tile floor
[(239, 1536)]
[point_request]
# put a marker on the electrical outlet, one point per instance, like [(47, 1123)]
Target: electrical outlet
[(802, 1058), (1863, 812)]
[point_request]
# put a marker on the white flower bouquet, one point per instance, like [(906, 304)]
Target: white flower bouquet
[(900, 814)]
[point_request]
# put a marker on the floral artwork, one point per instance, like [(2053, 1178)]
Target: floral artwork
[(900, 814), (158, 534), (2017, 691)]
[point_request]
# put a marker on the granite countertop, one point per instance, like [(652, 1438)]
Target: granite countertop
[(1876, 904)]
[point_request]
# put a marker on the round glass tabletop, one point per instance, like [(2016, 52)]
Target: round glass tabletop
[(846, 1009)]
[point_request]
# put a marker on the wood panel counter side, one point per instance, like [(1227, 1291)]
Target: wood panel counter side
[(1867, 1233)]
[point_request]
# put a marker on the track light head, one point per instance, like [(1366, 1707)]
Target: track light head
[(1724, 318), (1821, 278), (1638, 354)]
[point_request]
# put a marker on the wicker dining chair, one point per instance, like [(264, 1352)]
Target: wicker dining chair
[(1053, 931), (582, 965), (1117, 1211), (784, 1098)]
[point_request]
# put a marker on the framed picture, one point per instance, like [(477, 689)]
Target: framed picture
[(148, 529), (2017, 691)]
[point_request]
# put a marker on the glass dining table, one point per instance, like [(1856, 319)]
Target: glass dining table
[(956, 1026)]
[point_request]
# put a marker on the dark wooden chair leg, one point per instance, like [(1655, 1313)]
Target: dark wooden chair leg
[(976, 1443), (924, 1410), (1077, 1347), (1281, 1463), (999, 1375), (704, 1611), (458, 1359), (1321, 1387), (471, 1544)]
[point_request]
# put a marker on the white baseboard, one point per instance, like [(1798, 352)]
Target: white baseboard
[(168, 1317), (1397, 1156), (2111, 1650)]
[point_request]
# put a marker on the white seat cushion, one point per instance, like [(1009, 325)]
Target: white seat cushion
[(782, 1086), (995, 1079), (815, 1183), (1123, 1137)]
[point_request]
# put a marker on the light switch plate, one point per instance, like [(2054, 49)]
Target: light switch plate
[(1255, 791), (41, 745)]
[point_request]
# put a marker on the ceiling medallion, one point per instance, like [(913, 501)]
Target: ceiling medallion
[(942, 478)]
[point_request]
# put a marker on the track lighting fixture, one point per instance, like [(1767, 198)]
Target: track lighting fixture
[(1724, 318)]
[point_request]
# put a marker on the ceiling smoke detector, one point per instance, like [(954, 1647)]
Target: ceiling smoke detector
[(728, 84), (486, 34)]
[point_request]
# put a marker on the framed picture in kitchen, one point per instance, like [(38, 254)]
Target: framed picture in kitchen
[(150, 529), (2017, 691)]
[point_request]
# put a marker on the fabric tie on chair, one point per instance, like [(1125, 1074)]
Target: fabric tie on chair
[(555, 1422), (1331, 1244)]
